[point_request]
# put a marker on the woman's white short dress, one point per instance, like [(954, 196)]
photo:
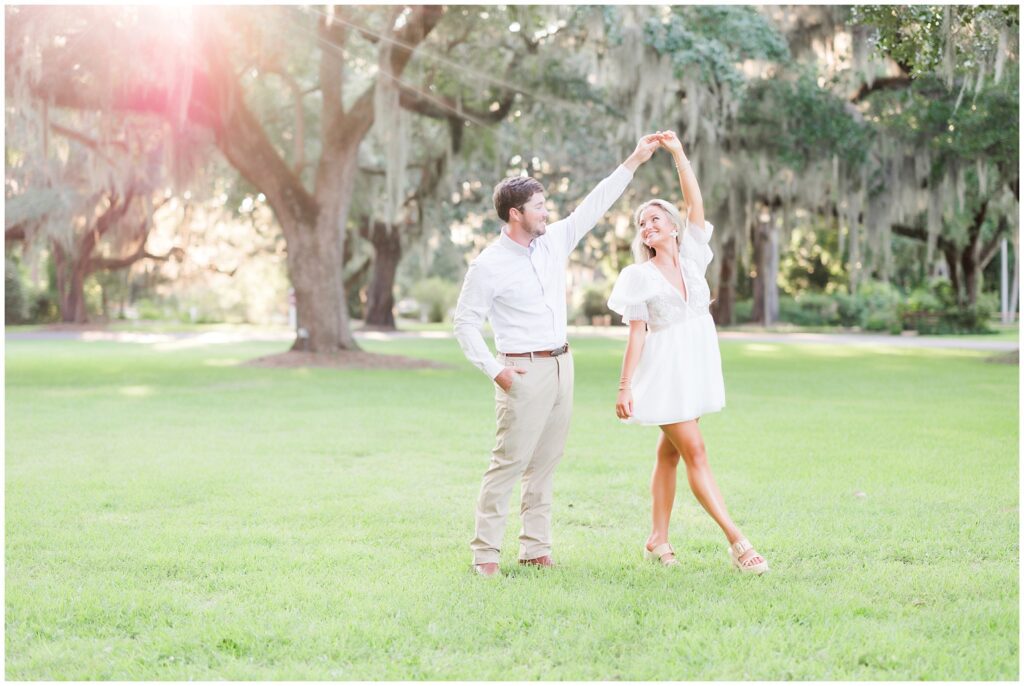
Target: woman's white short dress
[(679, 376)]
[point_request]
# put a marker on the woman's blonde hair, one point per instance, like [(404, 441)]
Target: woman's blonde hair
[(642, 252)]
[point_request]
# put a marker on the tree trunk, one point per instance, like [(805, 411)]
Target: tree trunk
[(315, 271), (74, 265), (971, 259), (757, 259), (74, 299), (71, 275), (966, 263), (125, 293), (972, 273), (380, 302), (353, 274), (954, 266), (313, 225), (766, 264), (722, 308)]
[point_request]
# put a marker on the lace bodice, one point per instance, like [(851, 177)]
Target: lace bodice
[(666, 306), (642, 292)]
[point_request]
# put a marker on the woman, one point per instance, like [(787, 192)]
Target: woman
[(672, 371)]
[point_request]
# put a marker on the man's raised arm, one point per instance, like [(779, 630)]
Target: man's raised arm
[(598, 201)]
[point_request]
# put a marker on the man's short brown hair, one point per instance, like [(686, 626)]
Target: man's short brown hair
[(514, 192)]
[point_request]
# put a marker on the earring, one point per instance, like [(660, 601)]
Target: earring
[(674, 234)]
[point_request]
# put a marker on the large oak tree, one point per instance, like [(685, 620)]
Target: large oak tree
[(203, 88)]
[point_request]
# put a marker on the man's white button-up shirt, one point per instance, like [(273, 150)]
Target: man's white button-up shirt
[(522, 290)]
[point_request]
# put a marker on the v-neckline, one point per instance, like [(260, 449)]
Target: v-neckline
[(682, 277)]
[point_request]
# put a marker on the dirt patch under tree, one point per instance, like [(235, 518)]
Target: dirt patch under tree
[(343, 359)]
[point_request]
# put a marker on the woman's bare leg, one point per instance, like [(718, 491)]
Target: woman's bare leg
[(663, 491), (686, 438)]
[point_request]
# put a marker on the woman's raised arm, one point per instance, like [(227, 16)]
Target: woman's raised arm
[(687, 179)]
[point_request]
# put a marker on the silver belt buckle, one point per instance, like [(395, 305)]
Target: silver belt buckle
[(560, 351)]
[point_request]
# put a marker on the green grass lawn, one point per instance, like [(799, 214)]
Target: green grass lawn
[(173, 515), (999, 332)]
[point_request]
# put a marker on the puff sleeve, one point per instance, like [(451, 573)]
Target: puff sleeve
[(696, 243), (630, 294)]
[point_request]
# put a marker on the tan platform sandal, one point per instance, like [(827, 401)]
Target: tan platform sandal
[(662, 554), (736, 551)]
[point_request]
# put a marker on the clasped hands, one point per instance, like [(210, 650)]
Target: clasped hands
[(664, 139)]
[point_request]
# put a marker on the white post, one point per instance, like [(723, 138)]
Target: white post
[(1004, 301), (1015, 287), (771, 299), (293, 315)]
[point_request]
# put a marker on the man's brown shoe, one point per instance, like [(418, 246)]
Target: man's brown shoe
[(542, 561), (486, 569)]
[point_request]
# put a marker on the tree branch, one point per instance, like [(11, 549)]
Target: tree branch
[(459, 40), (920, 234), (420, 22), (333, 35), (433, 170), (58, 86), (357, 275), (15, 233), (992, 246), (413, 101), (885, 83), (214, 268), (110, 217), (244, 142), (299, 147), (380, 171), (88, 142), (96, 264)]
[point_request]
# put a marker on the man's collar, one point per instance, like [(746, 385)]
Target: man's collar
[(510, 244)]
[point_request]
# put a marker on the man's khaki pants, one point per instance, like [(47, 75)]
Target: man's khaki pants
[(533, 423)]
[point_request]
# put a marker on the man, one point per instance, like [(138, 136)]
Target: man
[(518, 281)]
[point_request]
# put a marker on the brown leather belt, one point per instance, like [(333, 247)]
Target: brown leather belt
[(541, 353)]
